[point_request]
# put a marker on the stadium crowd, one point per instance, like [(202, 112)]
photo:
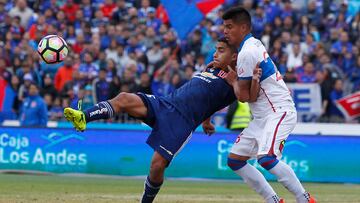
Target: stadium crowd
[(129, 45)]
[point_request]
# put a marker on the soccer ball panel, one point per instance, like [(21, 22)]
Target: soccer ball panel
[(42, 45), (55, 43), (49, 56), (63, 53)]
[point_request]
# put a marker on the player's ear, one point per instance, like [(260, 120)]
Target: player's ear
[(234, 57)]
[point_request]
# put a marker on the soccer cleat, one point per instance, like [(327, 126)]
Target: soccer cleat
[(312, 199), (281, 200), (76, 117)]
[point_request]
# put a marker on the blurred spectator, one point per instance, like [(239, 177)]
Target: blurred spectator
[(64, 74), (145, 83), (107, 8), (354, 75), (48, 87), (341, 45), (5, 74), (87, 9), (56, 111), (88, 69), (325, 81), (161, 83), (121, 12), (24, 88), (154, 54), (307, 75), (71, 88), (101, 87), (258, 22), (23, 11), (272, 10), (34, 111), (194, 44), (335, 115), (15, 86), (188, 73), (70, 8), (115, 86), (295, 57), (88, 99)]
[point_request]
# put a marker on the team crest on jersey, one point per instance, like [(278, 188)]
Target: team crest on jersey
[(208, 75)]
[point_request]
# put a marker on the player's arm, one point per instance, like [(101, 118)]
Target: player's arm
[(242, 79), (208, 127), (242, 90), (255, 84)]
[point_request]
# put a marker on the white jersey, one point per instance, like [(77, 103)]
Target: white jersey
[(274, 95)]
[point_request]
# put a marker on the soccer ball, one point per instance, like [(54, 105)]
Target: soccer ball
[(53, 49)]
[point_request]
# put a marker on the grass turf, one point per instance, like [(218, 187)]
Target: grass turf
[(35, 188)]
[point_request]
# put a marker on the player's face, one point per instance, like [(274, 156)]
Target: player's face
[(223, 56), (233, 32)]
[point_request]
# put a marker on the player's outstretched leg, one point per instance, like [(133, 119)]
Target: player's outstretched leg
[(286, 177), (253, 178), (123, 102), (155, 179)]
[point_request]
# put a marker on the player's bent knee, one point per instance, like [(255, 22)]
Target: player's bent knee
[(235, 164), (268, 161), (158, 164), (121, 100)]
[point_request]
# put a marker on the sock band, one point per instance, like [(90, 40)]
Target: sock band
[(151, 184), (235, 164), (109, 108), (101, 110), (268, 162)]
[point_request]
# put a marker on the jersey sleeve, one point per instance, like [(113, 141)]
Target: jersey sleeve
[(245, 65)]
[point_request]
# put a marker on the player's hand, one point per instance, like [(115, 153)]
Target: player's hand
[(209, 65), (231, 76), (208, 128), (257, 73)]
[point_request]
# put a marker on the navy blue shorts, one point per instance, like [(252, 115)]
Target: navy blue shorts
[(170, 130)]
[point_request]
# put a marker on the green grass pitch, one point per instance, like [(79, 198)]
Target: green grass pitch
[(58, 188)]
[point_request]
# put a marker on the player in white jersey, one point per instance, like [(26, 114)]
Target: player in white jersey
[(273, 110)]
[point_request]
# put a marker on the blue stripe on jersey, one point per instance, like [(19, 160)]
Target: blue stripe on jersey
[(268, 68), (245, 78), (243, 41)]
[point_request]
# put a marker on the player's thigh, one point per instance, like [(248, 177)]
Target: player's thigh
[(276, 131), (245, 146), (130, 103)]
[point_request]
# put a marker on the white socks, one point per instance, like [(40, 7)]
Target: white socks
[(257, 181), (288, 179)]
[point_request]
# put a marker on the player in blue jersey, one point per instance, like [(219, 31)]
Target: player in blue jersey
[(273, 111), (173, 118)]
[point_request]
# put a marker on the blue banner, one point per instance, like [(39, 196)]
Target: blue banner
[(124, 152)]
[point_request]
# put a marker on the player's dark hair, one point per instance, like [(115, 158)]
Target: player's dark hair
[(232, 47), (238, 15)]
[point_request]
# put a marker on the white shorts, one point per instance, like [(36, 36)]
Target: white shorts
[(265, 136)]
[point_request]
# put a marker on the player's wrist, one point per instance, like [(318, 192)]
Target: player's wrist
[(256, 79)]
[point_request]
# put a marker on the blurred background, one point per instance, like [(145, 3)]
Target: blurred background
[(154, 47), (136, 46)]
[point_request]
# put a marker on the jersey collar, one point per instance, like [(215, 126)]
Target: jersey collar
[(243, 41)]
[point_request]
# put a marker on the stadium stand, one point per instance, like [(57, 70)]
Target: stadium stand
[(126, 43)]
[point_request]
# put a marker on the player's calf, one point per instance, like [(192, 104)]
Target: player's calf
[(253, 178), (154, 181), (286, 177)]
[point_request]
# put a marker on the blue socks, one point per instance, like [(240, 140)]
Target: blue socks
[(150, 190), (102, 110)]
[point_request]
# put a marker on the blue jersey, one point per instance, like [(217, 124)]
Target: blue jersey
[(202, 96)]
